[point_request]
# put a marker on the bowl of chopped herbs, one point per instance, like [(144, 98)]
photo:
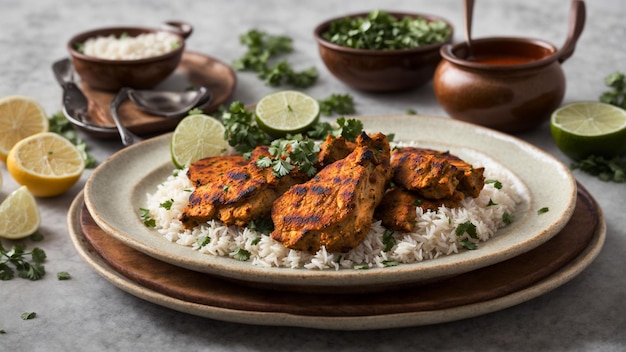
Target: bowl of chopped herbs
[(383, 51)]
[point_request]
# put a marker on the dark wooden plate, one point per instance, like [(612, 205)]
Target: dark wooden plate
[(478, 292), (194, 69)]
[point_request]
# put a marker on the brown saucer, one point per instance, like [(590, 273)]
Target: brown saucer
[(194, 69), (478, 292)]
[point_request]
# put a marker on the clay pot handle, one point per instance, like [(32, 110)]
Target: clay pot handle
[(576, 24), (181, 28)]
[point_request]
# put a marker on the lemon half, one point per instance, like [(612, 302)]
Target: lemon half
[(20, 117)]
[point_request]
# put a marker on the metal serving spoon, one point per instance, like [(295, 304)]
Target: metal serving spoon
[(127, 137), (468, 14), (167, 103), (75, 103)]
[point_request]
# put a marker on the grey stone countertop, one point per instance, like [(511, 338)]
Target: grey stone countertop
[(87, 313)]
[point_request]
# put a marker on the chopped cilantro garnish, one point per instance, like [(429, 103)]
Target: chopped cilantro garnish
[(467, 244), (341, 104), (241, 254), (144, 215), (491, 203), (16, 256), (466, 227), (388, 263), (167, 205), (543, 210), (203, 241), (388, 240), (496, 184), (507, 218)]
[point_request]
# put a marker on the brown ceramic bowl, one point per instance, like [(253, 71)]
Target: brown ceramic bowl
[(111, 75), (509, 84), (380, 70)]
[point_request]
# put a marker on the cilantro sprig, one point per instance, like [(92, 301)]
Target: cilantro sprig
[(289, 153), (16, 259), (242, 133), (60, 125), (261, 48), (617, 94), (342, 104)]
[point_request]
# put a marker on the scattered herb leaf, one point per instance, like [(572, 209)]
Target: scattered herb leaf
[(203, 241), (261, 47), (609, 170), (417, 202), (466, 227), (289, 153), (60, 125), (342, 104), (167, 205), (496, 184), (388, 240), (507, 218), (63, 275), (144, 215), (28, 315), (617, 95), (491, 203), (543, 210), (255, 241), (36, 237), (361, 267), (388, 263), (17, 257), (467, 244), (2, 331), (241, 254), (410, 112), (262, 225)]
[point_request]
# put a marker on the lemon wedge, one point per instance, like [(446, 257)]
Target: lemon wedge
[(20, 117), (46, 163), (19, 215)]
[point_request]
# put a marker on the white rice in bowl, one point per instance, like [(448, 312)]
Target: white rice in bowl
[(435, 234), (142, 46)]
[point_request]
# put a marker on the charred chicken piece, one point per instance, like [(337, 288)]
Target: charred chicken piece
[(333, 149), (397, 211), (334, 209), (233, 191), (424, 172)]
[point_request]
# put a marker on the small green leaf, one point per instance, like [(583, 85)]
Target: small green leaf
[(63, 275), (496, 184), (242, 255), (543, 210), (28, 315), (507, 218)]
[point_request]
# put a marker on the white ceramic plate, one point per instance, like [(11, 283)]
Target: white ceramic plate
[(117, 189)]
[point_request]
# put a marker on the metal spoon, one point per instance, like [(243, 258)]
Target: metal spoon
[(469, 13), (127, 137), (75, 103), (167, 103)]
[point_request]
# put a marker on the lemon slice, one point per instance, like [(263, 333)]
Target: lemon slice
[(286, 112), (19, 215), (46, 163), (20, 117), (196, 137), (589, 128)]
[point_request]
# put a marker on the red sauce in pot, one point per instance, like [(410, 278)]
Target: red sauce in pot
[(502, 60)]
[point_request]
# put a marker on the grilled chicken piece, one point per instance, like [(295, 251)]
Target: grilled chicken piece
[(471, 179), (234, 190), (397, 211), (424, 172), (333, 149), (334, 209)]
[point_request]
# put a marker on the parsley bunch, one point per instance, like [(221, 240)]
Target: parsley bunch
[(380, 30), (16, 257), (261, 48)]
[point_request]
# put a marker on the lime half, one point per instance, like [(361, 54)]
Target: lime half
[(286, 112), (196, 137), (589, 128)]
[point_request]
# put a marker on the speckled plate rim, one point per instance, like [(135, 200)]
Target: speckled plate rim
[(388, 321), (115, 191)]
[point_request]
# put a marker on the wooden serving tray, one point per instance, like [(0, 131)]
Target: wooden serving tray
[(585, 229), (194, 69)]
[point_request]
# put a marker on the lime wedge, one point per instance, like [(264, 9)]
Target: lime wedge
[(286, 112), (196, 137), (19, 215), (589, 128)]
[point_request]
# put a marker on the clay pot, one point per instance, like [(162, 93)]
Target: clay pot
[(380, 70), (509, 84)]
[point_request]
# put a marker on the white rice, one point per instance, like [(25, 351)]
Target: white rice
[(434, 235), (142, 46)]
